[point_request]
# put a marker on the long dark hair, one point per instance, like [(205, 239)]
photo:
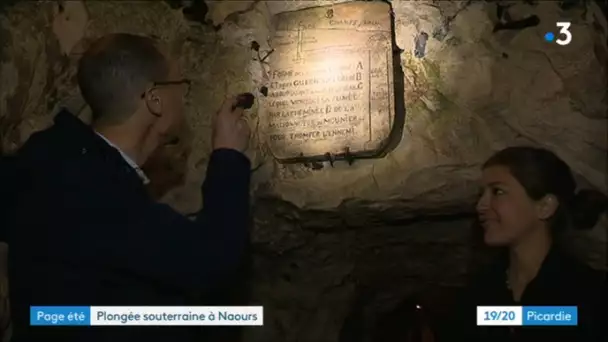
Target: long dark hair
[(541, 172)]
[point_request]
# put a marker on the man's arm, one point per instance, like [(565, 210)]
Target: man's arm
[(155, 242), (194, 255), (213, 245), (225, 215), (161, 245), (8, 190)]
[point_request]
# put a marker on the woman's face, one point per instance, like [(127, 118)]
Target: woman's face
[(505, 211)]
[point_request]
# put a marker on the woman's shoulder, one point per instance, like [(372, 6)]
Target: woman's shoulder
[(570, 280), (561, 272), (575, 272)]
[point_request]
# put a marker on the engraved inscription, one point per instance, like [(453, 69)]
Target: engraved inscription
[(329, 86), (323, 101), (354, 23)]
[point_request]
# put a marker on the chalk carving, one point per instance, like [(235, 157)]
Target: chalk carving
[(330, 88)]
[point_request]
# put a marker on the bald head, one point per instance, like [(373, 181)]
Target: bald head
[(114, 72)]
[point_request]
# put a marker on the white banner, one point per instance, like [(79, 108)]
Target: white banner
[(177, 315)]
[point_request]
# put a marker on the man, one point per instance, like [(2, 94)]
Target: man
[(84, 230)]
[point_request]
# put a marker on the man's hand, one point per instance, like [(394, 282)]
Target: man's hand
[(230, 129)]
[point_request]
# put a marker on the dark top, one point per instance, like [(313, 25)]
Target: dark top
[(561, 281), (7, 187), (84, 232)]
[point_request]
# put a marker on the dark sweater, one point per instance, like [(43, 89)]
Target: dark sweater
[(83, 231)]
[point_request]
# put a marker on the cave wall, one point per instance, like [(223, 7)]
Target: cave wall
[(379, 230)]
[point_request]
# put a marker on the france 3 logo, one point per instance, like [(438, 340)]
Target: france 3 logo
[(564, 35)]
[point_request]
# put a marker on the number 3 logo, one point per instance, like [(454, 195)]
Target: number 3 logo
[(564, 26)]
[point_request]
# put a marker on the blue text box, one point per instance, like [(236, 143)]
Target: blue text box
[(60, 315), (550, 315)]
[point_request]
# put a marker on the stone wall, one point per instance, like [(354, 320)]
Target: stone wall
[(378, 229)]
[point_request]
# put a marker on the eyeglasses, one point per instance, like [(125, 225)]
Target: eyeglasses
[(184, 81)]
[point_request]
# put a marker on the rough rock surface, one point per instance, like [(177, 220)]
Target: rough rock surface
[(386, 227)]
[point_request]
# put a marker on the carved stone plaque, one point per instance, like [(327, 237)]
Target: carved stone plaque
[(330, 81)]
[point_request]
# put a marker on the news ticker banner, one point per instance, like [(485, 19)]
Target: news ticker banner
[(254, 315), (146, 315), (527, 315)]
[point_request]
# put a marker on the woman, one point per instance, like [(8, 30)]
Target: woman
[(529, 195)]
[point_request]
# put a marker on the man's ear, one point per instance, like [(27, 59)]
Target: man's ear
[(154, 101), (547, 206)]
